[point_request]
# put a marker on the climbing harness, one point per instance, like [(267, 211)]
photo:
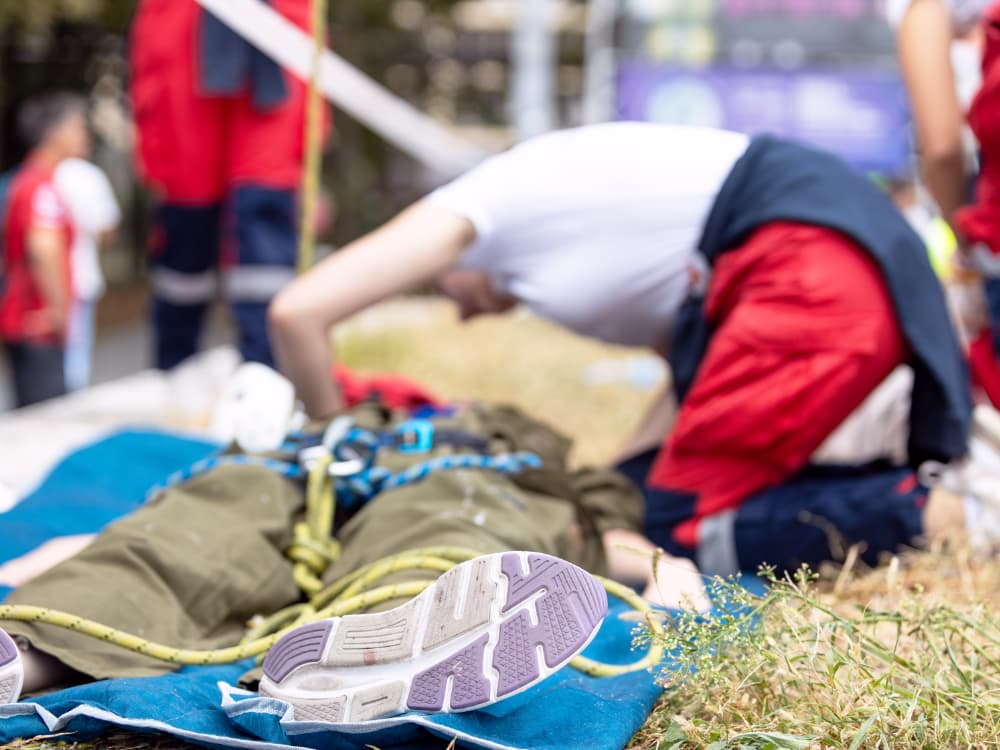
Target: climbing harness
[(342, 465)]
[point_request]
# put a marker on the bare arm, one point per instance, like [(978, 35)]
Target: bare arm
[(19, 571), (924, 42), (411, 249), (669, 581), (47, 259)]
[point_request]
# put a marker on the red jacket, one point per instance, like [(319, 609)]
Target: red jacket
[(980, 222), (33, 202)]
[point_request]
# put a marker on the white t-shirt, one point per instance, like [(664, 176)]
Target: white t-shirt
[(596, 228), (965, 14), (93, 210)]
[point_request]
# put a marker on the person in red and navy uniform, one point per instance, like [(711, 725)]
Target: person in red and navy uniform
[(979, 223), (782, 287), (220, 142), (926, 32), (37, 237)]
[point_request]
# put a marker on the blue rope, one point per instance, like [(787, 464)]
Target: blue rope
[(365, 485), (292, 471), (369, 482)]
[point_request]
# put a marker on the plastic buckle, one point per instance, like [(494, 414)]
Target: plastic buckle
[(417, 436)]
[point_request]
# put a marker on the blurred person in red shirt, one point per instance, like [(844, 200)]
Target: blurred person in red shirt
[(220, 143), (37, 237)]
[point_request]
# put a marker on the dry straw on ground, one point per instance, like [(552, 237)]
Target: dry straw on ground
[(904, 656), (516, 358)]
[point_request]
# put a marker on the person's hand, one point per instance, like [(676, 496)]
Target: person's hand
[(677, 584)]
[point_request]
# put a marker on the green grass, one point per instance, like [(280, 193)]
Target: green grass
[(806, 667)]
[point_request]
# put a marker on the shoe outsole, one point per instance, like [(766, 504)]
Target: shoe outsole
[(11, 671), (482, 632)]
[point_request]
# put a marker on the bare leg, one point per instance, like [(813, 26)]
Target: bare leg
[(21, 570), (944, 516), (42, 671)]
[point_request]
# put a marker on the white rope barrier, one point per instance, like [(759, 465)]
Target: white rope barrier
[(348, 88)]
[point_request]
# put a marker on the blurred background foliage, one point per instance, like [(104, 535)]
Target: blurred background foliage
[(39, 15), (408, 45)]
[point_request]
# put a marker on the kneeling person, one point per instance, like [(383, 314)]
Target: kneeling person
[(781, 286)]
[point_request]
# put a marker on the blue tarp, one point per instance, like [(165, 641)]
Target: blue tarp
[(95, 486), (110, 478)]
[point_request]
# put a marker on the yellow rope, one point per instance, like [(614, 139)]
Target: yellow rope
[(313, 550), (313, 142), (259, 643), (653, 621)]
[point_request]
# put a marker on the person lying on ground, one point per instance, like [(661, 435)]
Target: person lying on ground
[(781, 286), (202, 558)]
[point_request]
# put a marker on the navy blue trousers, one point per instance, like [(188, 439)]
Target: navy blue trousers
[(250, 241), (809, 519)]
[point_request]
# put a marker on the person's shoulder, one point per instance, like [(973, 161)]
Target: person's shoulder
[(34, 190), (30, 182), (629, 133), (47, 205), (30, 175)]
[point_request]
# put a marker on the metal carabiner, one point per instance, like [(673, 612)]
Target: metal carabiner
[(349, 468), (339, 469), (336, 431)]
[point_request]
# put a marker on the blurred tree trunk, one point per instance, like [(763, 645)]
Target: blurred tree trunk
[(346, 172)]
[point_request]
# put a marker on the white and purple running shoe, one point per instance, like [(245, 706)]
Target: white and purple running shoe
[(482, 632), (11, 670)]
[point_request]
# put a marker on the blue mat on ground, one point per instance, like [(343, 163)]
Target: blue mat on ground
[(94, 486), (110, 478)]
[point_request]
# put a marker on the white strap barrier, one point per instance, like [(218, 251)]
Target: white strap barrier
[(344, 85)]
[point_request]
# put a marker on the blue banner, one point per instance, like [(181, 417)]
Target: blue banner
[(859, 114)]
